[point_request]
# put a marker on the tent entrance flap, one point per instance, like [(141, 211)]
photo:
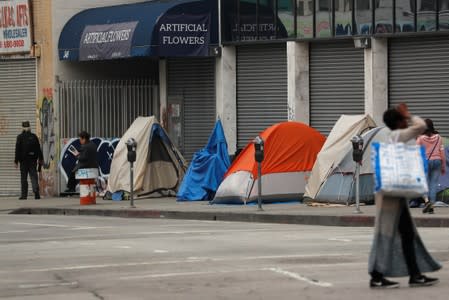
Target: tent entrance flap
[(161, 173), (167, 28)]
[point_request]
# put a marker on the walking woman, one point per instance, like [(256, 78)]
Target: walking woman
[(433, 143), (397, 248)]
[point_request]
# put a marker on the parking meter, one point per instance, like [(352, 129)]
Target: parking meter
[(357, 148), (357, 156), (259, 156), (131, 144), (259, 149)]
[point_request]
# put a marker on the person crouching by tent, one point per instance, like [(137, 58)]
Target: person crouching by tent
[(397, 248), (433, 143), (87, 159)]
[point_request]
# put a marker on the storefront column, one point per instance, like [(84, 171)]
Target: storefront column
[(298, 81), (376, 79), (226, 89), (163, 93)]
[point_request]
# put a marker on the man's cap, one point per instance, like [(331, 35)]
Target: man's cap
[(26, 124)]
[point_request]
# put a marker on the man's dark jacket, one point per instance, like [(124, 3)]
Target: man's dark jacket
[(27, 147), (88, 157)]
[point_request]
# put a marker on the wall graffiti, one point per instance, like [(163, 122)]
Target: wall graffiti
[(47, 183), (291, 112), (105, 153), (46, 132), (47, 122)]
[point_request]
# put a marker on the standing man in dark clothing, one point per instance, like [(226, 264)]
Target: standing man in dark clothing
[(28, 153), (87, 159)]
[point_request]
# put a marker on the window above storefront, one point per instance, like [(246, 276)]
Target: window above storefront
[(258, 20)]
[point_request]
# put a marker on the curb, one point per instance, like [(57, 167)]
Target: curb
[(328, 220)]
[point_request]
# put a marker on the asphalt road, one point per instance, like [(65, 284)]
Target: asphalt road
[(56, 257)]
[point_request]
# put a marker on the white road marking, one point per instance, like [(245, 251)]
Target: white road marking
[(65, 238), (340, 240), (13, 231), (69, 227), (160, 251), (42, 224), (85, 267), (189, 260), (286, 256), (299, 277), (164, 275), (200, 231), (123, 247), (45, 285), (88, 228)]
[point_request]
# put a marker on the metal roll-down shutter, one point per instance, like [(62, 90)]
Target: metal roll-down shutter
[(193, 80), (337, 84), (17, 104), (261, 89), (419, 76)]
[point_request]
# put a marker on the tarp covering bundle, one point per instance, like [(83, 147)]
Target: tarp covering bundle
[(207, 169)]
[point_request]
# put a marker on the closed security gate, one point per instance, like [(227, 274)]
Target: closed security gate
[(191, 83), (261, 89), (17, 103), (419, 76), (104, 108), (337, 84)]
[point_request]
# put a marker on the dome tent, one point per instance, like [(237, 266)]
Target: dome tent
[(159, 167), (332, 178), (291, 149)]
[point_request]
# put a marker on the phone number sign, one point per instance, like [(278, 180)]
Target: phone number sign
[(15, 26)]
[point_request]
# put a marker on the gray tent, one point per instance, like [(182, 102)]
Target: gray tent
[(339, 185)]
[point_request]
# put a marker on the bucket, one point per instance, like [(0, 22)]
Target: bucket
[(87, 191)]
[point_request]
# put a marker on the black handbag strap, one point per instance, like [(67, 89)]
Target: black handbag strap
[(436, 143)]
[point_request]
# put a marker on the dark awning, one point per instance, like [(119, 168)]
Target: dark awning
[(153, 28)]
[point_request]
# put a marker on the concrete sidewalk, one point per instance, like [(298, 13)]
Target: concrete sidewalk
[(292, 213)]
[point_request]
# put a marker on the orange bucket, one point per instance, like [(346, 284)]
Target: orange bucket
[(87, 192)]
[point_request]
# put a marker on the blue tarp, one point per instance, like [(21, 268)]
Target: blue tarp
[(152, 28), (207, 169)]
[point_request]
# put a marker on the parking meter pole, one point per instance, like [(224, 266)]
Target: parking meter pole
[(357, 156), (258, 157), (357, 189), (259, 186), (131, 184), (131, 145)]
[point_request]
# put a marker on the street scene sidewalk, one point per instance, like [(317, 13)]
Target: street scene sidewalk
[(169, 208)]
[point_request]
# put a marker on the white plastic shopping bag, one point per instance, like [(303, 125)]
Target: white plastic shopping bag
[(399, 169)]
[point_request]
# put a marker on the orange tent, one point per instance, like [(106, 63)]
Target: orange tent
[(291, 149)]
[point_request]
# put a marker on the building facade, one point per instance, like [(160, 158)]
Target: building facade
[(250, 63), (316, 60), (26, 81)]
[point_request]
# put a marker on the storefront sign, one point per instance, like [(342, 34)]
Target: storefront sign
[(184, 35), (15, 26), (250, 31), (108, 41)]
